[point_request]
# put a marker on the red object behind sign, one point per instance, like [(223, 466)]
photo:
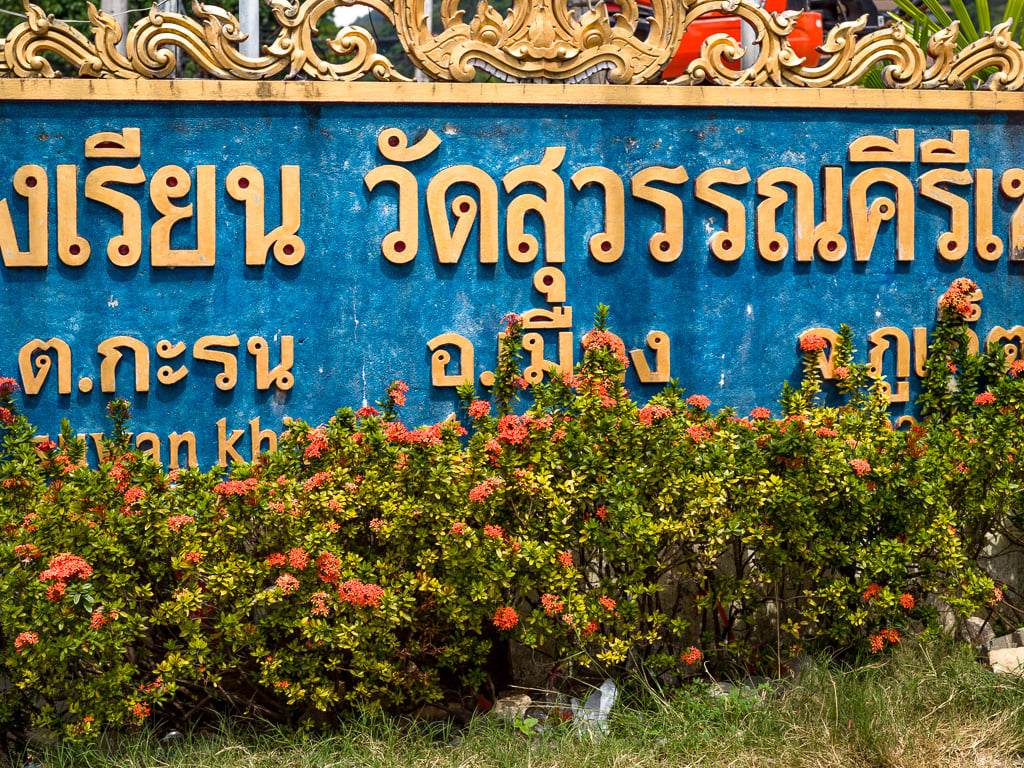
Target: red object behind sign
[(805, 37)]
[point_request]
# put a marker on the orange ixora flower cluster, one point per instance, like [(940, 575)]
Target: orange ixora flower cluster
[(177, 522), (812, 342), (597, 339), (692, 656), (700, 402), (958, 297), (877, 642), (66, 566), (650, 413), (485, 489), (553, 604), (479, 408), (505, 617), (860, 466), (357, 593), (24, 639)]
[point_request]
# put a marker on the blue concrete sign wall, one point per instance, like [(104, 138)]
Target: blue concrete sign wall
[(225, 265)]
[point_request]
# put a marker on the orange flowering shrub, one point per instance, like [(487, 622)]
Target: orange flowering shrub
[(366, 563)]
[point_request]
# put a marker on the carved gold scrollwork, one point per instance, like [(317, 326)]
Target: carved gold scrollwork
[(538, 41)]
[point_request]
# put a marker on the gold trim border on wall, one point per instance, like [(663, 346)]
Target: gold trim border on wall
[(539, 41)]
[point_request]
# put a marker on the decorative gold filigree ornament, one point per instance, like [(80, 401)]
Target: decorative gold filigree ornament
[(538, 41)]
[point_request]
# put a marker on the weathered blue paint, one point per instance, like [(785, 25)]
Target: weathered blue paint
[(360, 322)]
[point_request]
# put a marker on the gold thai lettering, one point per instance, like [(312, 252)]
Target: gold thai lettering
[(280, 375), (440, 358), (953, 244), (730, 243), (206, 349), (72, 249), (879, 149), (898, 392), (667, 244), (1012, 186), (401, 245), (114, 145), (865, 221), (1011, 339), (773, 245), (657, 342), (533, 345), (172, 182), (32, 183), (549, 282), (245, 184), (449, 242), (35, 362), (165, 350), (955, 149), (987, 245), (110, 349), (125, 249), (606, 246), (522, 247)]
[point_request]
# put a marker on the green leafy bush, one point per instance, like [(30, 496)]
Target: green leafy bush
[(366, 564)]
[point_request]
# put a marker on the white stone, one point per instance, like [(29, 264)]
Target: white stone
[(1007, 661)]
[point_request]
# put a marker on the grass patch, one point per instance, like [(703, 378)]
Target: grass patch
[(924, 705)]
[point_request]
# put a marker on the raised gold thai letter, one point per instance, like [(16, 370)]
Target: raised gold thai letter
[(172, 182), (606, 246), (125, 249), (987, 245), (1012, 185), (280, 375), (899, 391), (729, 244), (522, 247), (112, 356), (1011, 340), (667, 244), (450, 242), (165, 350), (659, 344), (400, 246), (956, 149), (111, 145), (865, 221), (825, 237), (34, 362), (952, 244), (32, 183), (72, 249), (440, 358), (879, 149), (246, 185), (533, 343), (205, 349)]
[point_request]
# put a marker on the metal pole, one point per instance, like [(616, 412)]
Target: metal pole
[(117, 9), (428, 9), (751, 50), (249, 18)]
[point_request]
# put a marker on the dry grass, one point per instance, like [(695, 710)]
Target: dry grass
[(927, 706)]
